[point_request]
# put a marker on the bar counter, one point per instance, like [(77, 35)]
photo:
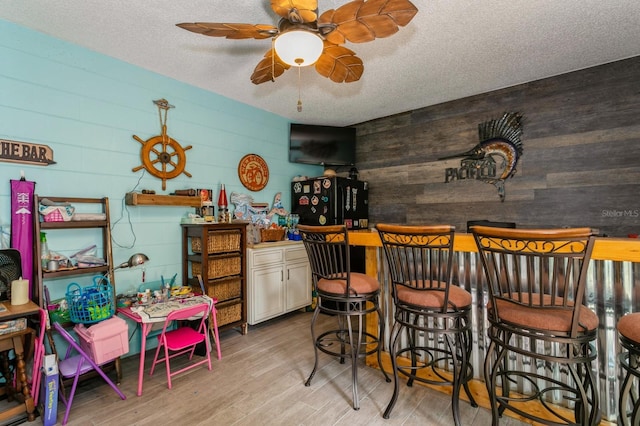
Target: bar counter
[(613, 290)]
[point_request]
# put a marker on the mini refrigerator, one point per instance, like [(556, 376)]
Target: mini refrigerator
[(331, 201)]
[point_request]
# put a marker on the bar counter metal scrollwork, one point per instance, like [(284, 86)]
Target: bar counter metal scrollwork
[(613, 290)]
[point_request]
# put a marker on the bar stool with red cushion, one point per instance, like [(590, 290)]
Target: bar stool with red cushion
[(348, 296), (629, 401), (542, 336), (431, 337)]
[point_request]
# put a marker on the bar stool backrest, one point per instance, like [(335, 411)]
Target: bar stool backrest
[(328, 251), (541, 268), (419, 257)]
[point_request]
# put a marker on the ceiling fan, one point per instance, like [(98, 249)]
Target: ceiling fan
[(303, 38)]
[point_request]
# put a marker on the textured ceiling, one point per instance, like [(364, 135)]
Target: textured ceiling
[(451, 49)]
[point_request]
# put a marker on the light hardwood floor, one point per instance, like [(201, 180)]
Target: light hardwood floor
[(260, 381)]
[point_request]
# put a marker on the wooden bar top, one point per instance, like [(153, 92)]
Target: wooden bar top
[(618, 249)]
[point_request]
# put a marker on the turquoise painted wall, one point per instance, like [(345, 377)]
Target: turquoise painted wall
[(87, 106)]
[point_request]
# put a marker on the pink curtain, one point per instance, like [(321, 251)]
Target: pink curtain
[(22, 211)]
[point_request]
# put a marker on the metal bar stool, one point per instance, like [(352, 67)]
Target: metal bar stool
[(629, 401), (432, 322), (541, 335), (349, 296)]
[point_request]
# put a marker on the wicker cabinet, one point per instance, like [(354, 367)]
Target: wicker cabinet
[(217, 253), (279, 280)]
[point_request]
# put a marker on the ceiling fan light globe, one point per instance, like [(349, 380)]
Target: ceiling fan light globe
[(299, 48)]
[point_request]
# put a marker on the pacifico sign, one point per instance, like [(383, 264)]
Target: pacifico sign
[(24, 152)]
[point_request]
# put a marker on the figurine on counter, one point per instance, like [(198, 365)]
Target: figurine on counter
[(242, 203), (245, 209), (277, 207)]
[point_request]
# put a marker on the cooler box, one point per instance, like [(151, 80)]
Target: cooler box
[(105, 340)]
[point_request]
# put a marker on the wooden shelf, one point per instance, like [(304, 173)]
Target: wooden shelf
[(103, 226), (136, 199)]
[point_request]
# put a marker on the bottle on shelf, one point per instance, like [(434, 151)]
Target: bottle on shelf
[(223, 207), (45, 255)]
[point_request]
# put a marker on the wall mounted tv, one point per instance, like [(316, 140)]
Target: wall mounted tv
[(325, 145)]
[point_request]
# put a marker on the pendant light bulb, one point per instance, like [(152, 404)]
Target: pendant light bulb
[(298, 48)]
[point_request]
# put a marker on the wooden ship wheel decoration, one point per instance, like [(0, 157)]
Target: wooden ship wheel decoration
[(161, 155)]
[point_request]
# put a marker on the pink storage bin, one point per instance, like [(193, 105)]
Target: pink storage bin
[(105, 340)]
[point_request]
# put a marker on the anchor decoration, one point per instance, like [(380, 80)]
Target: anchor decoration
[(495, 158), (169, 157)]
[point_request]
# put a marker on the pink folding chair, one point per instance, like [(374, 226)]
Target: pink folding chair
[(214, 330), (183, 339), (38, 356), (76, 365)]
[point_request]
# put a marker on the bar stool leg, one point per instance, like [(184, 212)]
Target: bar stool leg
[(396, 331), (355, 349), (315, 346), (629, 391)]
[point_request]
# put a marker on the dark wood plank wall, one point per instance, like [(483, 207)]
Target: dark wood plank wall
[(580, 167)]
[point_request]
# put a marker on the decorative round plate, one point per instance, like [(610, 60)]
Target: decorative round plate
[(253, 172)]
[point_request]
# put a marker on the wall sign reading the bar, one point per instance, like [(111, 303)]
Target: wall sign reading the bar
[(25, 152)]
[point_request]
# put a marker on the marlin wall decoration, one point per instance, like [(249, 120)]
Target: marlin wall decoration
[(499, 140)]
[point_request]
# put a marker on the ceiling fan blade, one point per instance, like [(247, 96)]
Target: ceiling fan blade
[(231, 31), (339, 64), (296, 11), (268, 68), (360, 21)]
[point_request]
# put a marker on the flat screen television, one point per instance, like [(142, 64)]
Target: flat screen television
[(324, 145)]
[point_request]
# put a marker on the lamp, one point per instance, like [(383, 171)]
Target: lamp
[(299, 48), (135, 260)]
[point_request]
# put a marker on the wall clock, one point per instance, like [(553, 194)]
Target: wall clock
[(253, 172)]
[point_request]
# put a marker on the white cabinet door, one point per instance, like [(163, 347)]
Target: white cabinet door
[(298, 285), (267, 295), (279, 281)]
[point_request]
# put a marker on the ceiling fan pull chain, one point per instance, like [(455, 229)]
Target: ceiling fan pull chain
[(299, 91), (273, 59)]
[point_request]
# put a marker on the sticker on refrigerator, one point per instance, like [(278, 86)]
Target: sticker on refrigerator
[(322, 219), (306, 189), (355, 201), (297, 187), (326, 183), (303, 201), (348, 223), (317, 187), (347, 203), (315, 200)]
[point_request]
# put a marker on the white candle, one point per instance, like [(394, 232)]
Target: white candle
[(19, 291)]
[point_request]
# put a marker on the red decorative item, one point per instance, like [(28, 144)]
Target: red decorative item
[(222, 198)]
